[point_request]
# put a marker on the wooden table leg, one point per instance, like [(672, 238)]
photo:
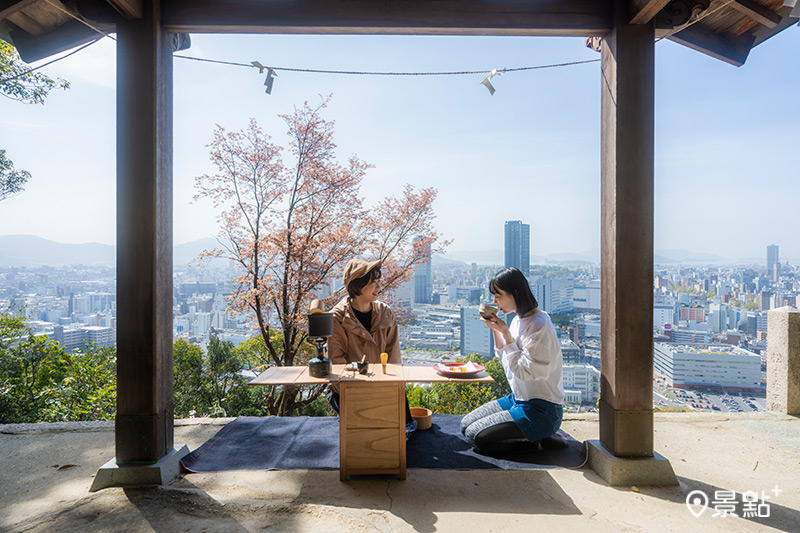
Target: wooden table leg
[(401, 404), (343, 433)]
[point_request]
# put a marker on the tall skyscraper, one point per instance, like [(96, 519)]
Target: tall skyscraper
[(422, 277), (772, 259), (518, 246)]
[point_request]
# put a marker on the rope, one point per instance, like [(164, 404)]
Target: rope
[(12, 78), (695, 21), (79, 19), (375, 73)]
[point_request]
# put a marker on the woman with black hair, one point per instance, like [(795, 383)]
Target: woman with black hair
[(530, 353)]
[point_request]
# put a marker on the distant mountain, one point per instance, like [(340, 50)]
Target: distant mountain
[(183, 254), (438, 260), (569, 258), (685, 256), (481, 257), (29, 250)]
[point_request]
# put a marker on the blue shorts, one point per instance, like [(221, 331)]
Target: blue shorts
[(536, 418)]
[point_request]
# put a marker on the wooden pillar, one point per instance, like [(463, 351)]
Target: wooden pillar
[(144, 423), (627, 130)]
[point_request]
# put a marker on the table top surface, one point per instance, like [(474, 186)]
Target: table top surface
[(298, 375)]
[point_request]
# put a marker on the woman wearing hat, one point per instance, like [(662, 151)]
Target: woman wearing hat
[(362, 325)]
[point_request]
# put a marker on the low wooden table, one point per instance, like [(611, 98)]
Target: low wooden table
[(372, 417)]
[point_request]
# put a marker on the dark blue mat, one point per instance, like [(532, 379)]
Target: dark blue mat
[(285, 443)]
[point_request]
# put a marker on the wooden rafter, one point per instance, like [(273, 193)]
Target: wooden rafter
[(763, 33), (27, 23), (757, 12), (646, 11), (130, 9), (9, 7), (35, 47)]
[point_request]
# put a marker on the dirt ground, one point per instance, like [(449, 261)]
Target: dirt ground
[(47, 469)]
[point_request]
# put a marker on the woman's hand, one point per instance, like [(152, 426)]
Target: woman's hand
[(495, 323), (502, 335)]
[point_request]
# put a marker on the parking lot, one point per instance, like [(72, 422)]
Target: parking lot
[(708, 401)]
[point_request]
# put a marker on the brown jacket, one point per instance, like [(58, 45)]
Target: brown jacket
[(350, 340)]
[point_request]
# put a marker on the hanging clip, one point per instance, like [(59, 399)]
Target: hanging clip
[(271, 74), (488, 84)]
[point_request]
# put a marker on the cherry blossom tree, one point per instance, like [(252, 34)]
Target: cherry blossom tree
[(292, 227)]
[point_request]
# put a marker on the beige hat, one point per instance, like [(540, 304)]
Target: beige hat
[(358, 268)]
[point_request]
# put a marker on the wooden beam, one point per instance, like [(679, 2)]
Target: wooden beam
[(27, 23), (763, 33), (35, 47), (627, 142), (733, 51), (144, 422), (761, 14), (647, 11), (130, 9), (9, 7), (442, 17)]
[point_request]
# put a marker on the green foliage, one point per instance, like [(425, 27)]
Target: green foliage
[(318, 407), (187, 378), (254, 353), (17, 83), (40, 382), (11, 181), (211, 384), (461, 398), (28, 370), (11, 326), (562, 320), (88, 391)]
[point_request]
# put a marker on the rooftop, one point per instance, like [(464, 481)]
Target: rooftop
[(46, 471)]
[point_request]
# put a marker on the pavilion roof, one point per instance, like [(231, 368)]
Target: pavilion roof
[(724, 29)]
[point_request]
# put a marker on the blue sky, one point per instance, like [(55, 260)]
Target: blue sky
[(727, 138)]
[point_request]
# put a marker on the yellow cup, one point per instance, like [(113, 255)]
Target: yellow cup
[(384, 360)]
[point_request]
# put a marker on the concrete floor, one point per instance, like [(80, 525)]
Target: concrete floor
[(46, 470)]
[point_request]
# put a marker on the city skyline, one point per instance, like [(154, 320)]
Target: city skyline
[(538, 134), (32, 251)]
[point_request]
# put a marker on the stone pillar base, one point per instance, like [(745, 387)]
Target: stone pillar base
[(161, 472), (626, 471)]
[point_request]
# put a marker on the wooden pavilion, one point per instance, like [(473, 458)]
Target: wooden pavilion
[(625, 31)]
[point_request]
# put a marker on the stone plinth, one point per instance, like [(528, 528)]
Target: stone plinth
[(783, 360), (161, 472), (625, 471)]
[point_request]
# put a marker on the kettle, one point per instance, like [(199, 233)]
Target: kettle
[(320, 327)]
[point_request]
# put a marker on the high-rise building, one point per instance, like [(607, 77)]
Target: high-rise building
[(586, 296), (554, 295), (476, 337), (518, 246), (422, 276), (716, 367), (772, 259)]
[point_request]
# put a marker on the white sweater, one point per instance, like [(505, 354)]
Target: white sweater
[(532, 362)]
